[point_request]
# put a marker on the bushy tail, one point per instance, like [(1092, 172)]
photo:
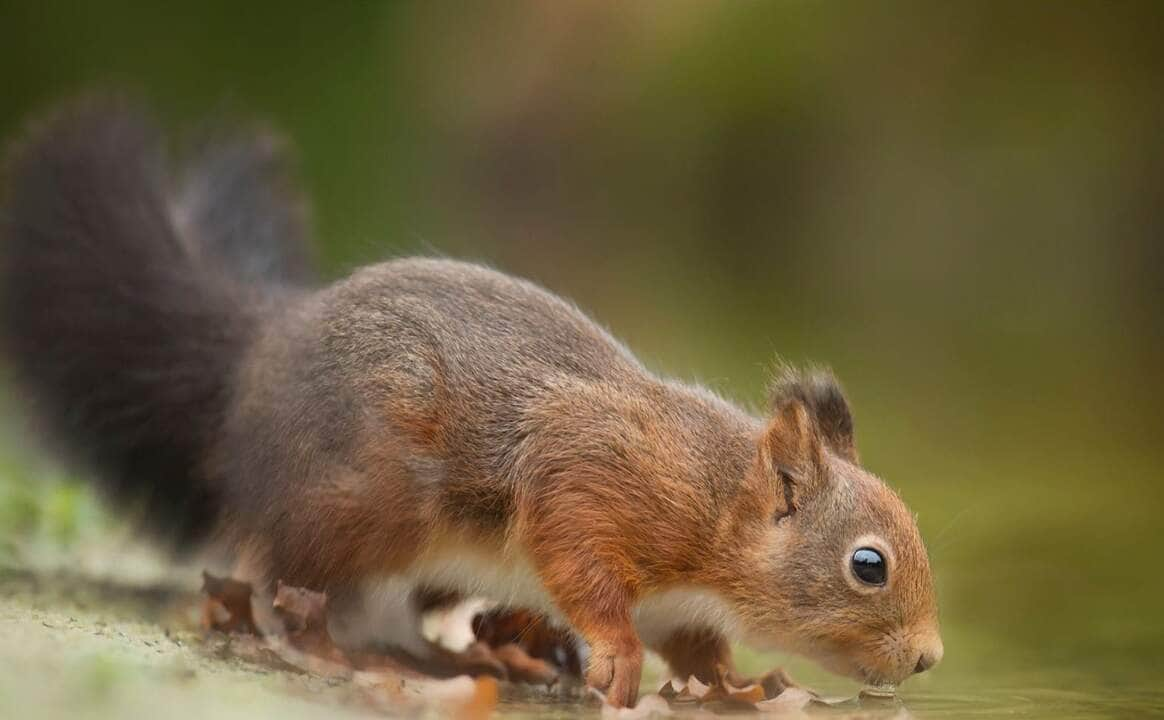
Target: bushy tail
[(129, 295)]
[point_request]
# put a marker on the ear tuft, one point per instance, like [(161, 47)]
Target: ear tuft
[(819, 392)]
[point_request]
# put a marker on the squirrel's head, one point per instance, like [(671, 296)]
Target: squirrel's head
[(837, 568)]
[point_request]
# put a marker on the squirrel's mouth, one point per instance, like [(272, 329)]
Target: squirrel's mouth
[(876, 682), (879, 683), (849, 661)]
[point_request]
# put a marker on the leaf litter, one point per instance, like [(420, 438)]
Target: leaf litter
[(523, 646), (300, 642)]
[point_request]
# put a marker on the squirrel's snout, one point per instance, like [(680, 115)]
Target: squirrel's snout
[(931, 654)]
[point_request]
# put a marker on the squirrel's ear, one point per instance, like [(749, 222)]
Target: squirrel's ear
[(819, 391), (792, 450)]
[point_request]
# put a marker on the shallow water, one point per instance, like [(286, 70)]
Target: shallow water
[(1044, 702), (1057, 695), (1041, 702)]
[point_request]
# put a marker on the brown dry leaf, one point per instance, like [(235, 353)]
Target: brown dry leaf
[(675, 692), (696, 688), (303, 613), (729, 695), (742, 696), (227, 606), (306, 646), (791, 700)]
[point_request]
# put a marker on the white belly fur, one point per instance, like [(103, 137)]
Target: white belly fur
[(509, 580)]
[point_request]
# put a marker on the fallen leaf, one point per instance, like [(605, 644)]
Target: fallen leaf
[(303, 613), (696, 688), (730, 694), (227, 605), (791, 699), (303, 644)]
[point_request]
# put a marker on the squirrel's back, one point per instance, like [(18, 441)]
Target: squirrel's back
[(486, 327), (451, 365)]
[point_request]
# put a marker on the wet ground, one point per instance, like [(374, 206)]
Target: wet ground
[(73, 646)]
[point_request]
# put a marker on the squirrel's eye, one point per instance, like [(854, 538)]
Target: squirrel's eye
[(869, 566)]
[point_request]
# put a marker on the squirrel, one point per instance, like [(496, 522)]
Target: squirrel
[(429, 423)]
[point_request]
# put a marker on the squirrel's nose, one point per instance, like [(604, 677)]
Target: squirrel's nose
[(929, 657)]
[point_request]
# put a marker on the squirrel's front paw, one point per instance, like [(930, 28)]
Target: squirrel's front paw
[(616, 677)]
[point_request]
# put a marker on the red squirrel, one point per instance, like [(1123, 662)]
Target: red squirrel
[(429, 423)]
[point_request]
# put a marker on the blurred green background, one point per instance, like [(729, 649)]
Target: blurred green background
[(959, 206)]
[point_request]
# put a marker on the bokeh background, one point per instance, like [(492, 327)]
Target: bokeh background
[(959, 206)]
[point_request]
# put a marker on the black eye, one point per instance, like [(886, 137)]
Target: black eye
[(869, 566)]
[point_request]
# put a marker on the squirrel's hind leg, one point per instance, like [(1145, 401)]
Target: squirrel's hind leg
[(706, 654), (700, 652), (386, 618)]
